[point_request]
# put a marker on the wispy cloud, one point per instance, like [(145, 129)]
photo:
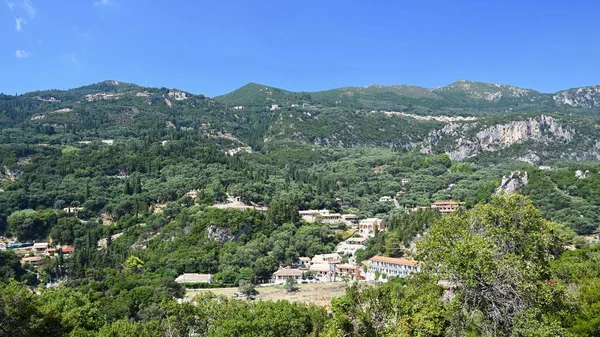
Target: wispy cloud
[(11, 5), (29, 8), (101, 3), (19, 23), (21, 54)]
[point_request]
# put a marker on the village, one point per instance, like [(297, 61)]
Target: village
[(340, 265)]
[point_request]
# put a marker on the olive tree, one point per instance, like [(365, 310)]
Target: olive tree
[(497, 256)]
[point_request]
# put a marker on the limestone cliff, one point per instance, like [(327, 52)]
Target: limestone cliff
[(586, 97), (463, 140), (513, 182)]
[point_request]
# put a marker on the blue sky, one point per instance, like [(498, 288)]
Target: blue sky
[(213, 47)]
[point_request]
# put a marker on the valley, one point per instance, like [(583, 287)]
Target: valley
[(143, 203)]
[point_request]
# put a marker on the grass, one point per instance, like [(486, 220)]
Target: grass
[(315, 293)]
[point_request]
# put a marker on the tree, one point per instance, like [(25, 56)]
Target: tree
[(283, 209), (498, 257), (291, 285), (392, 245), (134, 263), (29, 224), (247, 288)]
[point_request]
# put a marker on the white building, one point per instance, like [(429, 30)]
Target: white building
[(351, 245), (388, 267), (326, 258), (304, 261), (371, 226), (282, 275), (194, 278), (405, 181), (345, 248), (385, 199), (350, 218)]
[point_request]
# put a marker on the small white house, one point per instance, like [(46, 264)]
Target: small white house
[(283, 275), (194, 278)]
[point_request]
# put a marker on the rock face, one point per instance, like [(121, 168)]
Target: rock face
[(220, 234), (586, 97), (513, 182), (579, 174), (468, 139)]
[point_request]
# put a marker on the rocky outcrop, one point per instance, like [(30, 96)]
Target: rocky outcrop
[(513, 182), (220, 234), (461, 141), (7, 174), (586, 97)]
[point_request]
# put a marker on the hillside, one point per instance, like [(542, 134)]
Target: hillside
[(131, 187)]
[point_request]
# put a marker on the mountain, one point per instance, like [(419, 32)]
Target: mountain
[(464, 119), (254, 94), (585, 97), (459, 98)]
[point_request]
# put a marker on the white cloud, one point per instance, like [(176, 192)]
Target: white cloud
[(28, 7), (101, 3), (21, 54), (11, 5), (19, 23)]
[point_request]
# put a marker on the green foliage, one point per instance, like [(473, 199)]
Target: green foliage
[(498, 257), (291, 285), (247, 288), (414, 309)]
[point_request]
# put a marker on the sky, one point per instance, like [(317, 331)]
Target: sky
[(214, 47)]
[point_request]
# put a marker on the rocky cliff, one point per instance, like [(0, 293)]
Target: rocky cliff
[(463, 140), (586, 97), (513, 182)]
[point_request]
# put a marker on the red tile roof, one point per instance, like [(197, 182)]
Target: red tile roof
[(67, 249)]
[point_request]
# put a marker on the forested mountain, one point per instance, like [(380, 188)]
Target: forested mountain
[(459, 98)]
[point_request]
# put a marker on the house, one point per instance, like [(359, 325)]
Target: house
[(348, 270), (359, 240), (69, 249), (324, 270), (274, 107), (108, 141), (331, 218), (350, 218), (194, 278), (385, 199), (371, 226), (283, 275), (345, 248), (326, 258), (40, 246), (322, 216), (405, 181), (73, 210), (418, 208), (445, 207), (33, 260), (391, 267), (304, 261)]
